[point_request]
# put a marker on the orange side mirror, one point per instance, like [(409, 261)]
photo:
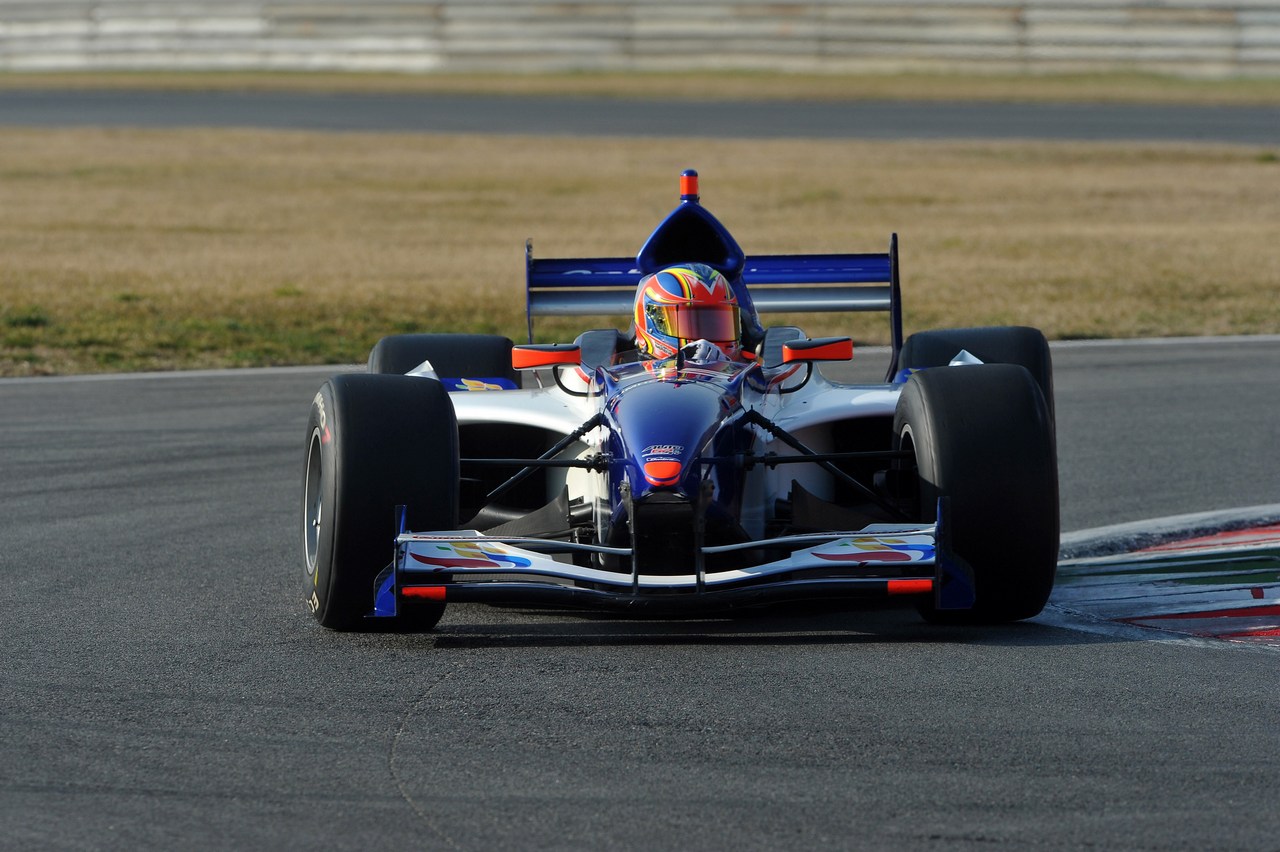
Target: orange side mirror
[(818, 349), (532, 356)]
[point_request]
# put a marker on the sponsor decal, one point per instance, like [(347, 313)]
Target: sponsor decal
[(663, 450), (483, 384), (323, 418), (662, 472)]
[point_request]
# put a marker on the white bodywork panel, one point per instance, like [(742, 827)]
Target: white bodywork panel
[(804, 413)]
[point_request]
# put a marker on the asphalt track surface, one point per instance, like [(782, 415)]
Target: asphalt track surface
[(164, 686), (1251, 125)]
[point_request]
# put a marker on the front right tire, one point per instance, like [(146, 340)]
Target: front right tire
[(373, 442)]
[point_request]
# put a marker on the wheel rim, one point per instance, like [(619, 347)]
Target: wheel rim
[(906, 443), (313, 504)]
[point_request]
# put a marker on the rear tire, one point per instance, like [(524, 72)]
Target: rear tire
[(990, 345), (373, 443), (452, 356), (982, 436)]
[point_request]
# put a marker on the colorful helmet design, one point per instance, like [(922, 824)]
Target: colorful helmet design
[(682, 304)]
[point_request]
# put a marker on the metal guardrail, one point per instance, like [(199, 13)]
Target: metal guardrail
[(1205, 37)]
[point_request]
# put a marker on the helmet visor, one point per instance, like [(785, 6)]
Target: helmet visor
[(695, 322)]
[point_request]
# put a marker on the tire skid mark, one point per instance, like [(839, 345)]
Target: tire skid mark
[(414, 712)]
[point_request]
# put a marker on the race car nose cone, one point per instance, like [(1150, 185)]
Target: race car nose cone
[(662, 472)]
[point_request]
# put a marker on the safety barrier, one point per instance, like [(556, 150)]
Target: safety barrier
[(1195, 37)]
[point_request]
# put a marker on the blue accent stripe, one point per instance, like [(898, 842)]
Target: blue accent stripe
[(817, 269)]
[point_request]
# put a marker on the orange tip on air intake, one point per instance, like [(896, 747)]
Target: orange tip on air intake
[(689, 185)]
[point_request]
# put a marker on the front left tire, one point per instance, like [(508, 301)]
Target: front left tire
[(983, 438)]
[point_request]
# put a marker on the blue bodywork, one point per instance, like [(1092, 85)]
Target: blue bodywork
[(809, 283), (658, 412), (680, 440)]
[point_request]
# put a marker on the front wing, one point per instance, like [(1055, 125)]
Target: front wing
[(881, 560)]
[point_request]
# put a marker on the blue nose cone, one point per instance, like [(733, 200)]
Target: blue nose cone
[(666, 425)]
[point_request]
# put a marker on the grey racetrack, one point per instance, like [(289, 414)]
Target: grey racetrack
[(1249, 125), (164, 686)]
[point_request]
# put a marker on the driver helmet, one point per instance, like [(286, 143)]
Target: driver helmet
[(683, 304)]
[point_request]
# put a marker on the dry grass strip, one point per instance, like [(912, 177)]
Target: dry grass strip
[(133, 249)]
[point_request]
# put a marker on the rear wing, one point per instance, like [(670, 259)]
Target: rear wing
[(778, 283)]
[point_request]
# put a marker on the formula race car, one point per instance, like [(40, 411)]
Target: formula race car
[(698, 463)]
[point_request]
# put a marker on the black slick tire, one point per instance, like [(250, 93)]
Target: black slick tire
[(455, 356), (1020, 345), (373, 442), (982, 437)]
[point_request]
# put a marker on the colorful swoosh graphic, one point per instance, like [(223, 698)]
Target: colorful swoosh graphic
[(877, 550), (465, 555)]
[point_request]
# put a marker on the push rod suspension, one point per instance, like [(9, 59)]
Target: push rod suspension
[(529, 467), (596, 462), (773, 460), (754, 417)]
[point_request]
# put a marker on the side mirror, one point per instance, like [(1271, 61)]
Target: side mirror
[(818, 349), (532, 356)]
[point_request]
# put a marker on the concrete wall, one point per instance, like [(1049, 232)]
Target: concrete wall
[(1195, 37)]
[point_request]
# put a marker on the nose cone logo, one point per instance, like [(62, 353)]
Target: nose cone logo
[(662, 472), (662, 463)]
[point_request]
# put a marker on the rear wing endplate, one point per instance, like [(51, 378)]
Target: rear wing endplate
[(779, 283)]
